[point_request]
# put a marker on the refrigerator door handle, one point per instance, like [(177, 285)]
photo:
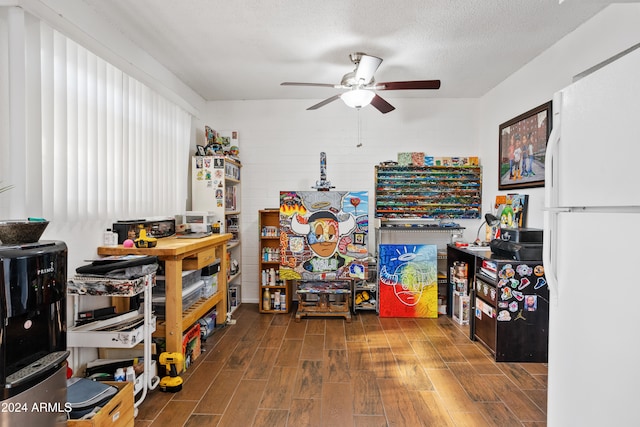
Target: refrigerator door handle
[(550, 191), (551, 201), (548, 252)]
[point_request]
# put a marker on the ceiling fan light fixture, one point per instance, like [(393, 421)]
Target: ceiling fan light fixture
[(357, 98)]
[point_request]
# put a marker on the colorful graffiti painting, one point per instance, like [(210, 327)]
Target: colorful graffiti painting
[(323, 235), (408, 280)]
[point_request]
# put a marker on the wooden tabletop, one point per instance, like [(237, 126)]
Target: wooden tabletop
[(169, 246)]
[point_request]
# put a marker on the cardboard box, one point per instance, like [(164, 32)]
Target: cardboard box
[(191, 345), (119, 412)]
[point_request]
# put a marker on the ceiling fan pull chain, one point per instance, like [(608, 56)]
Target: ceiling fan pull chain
[(359, 144)]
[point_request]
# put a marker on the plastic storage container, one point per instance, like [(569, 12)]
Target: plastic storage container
[(209, 275), (189, 277), (190, 295)]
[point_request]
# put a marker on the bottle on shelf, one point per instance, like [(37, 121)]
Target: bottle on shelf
[(266, 300), (130, 374), (110, 238), (119, 375), (276, 300), (283, 301)]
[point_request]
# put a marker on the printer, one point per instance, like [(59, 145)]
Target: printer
[(518, 244)]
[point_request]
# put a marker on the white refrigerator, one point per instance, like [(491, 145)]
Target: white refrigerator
[(591, 248)]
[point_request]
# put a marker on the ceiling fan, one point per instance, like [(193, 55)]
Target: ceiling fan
[(361, 85)]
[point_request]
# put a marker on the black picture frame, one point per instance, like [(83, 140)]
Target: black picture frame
[(528, 133)]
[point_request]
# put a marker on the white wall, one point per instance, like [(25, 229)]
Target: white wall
[(280, 141), (608, 33)]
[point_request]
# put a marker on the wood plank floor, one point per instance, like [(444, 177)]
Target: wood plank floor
[(267, 370)]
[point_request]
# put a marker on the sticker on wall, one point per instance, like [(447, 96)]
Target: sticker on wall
[(513, 306), (531, 303), (503, 283), (524, 283), (538, 270), (504, 316), (524, 270), (514, 283), (540, 283), (520, 316), (503, 304), (506, 272), (478, 313), (519, 296), (492, 294), (506, 294)]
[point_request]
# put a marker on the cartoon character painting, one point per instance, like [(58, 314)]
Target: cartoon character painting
[(323, 235), (408, 280)]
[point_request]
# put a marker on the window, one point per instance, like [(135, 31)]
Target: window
[(83, 139)]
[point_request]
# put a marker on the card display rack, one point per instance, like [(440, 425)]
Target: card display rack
[(441, 192)]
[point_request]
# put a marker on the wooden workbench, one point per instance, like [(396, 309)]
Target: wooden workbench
[(184, 254)]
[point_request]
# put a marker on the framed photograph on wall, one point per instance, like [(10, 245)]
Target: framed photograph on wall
[(521, 149)]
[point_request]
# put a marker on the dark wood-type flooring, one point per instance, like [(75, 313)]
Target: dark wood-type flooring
[(268, 370)]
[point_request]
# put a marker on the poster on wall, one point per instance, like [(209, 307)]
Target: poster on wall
[(323, 235), (512, 210), (408, 280)]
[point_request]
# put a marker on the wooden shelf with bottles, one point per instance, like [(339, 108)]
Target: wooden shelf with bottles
[(268, 259)]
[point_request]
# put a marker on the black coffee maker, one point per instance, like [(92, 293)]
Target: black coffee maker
[(33, 347)]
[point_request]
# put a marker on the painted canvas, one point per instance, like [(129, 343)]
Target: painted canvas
[(323, 235), (408, 280)]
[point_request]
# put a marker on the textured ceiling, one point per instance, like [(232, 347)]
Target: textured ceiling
[(244, 49)]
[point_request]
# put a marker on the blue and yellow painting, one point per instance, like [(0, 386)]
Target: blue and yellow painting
[(323, 235), (408, 280)]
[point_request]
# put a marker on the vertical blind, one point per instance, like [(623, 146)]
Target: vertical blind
[(96, 143)]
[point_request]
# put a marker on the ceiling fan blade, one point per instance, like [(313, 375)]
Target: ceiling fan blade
[(307, 84), (415, 84), (366, 68), (381, 105), (323, 103)]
